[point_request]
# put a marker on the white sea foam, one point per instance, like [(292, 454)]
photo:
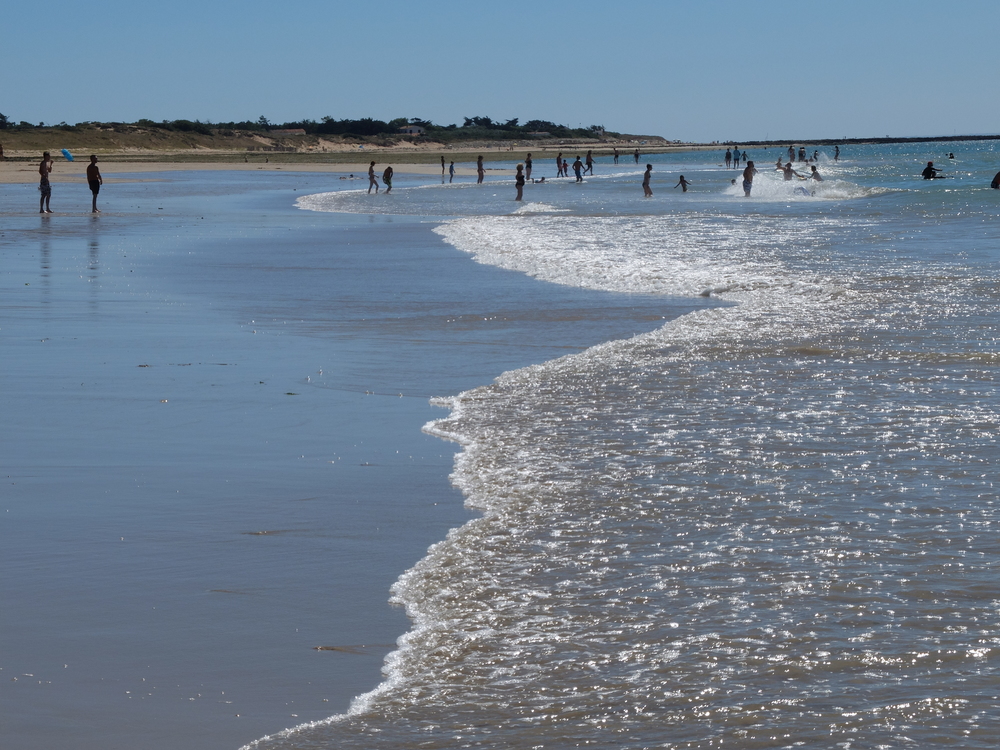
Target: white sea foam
[(698, 534)]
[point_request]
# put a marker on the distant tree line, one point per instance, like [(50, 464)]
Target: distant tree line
[(472, 128)]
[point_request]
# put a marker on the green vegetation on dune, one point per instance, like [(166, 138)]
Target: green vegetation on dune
[(327, 136)]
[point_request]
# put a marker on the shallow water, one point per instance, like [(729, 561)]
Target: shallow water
[(212, 455), (768, 524)]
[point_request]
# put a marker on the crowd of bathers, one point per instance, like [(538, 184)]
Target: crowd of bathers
[(580, 166)]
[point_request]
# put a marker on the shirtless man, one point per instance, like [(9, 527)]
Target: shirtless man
[(616, 155), (748, 174), (645, 181), (372, 179), (387, 179), (729, 158), (636, 155), (930, 171), (44, 169), (559, 165), (789, 172), (95, 181), (815, 174), (480, 170), (590, 162), (578, 168)]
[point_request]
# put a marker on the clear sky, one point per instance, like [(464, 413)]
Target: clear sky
[(695, 70)]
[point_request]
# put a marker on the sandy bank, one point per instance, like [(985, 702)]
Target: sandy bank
[(27, 172)]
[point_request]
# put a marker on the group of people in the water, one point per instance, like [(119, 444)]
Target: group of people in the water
[(585, 165)]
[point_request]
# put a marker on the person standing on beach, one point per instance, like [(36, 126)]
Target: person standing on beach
[(647, 192), (683, 184), (527, 167), (442, 165), (559, 165), (836, 153), (729, 158), (95, 181), (387, 179), (748, 174), (480, 170), (590, 163), (372, 179), (616, 155), (578, 168), (519, 181), (636, 155), (451, 172), (44, 169)]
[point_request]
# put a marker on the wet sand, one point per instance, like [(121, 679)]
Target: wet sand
[(13, 173), (212, 452)]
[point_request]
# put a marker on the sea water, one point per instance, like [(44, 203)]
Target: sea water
[(771, 523)]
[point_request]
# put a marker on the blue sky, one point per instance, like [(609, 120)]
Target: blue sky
[(703, 71)]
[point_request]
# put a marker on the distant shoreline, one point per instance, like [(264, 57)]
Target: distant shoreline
[(425, 158), (111, 146)]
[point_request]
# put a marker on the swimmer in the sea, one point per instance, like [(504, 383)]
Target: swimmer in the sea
[(930, 171), (683, 184), (748, 174), (815, 174), (789, 172)]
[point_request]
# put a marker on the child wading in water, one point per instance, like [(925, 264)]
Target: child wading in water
[(683, 184)]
